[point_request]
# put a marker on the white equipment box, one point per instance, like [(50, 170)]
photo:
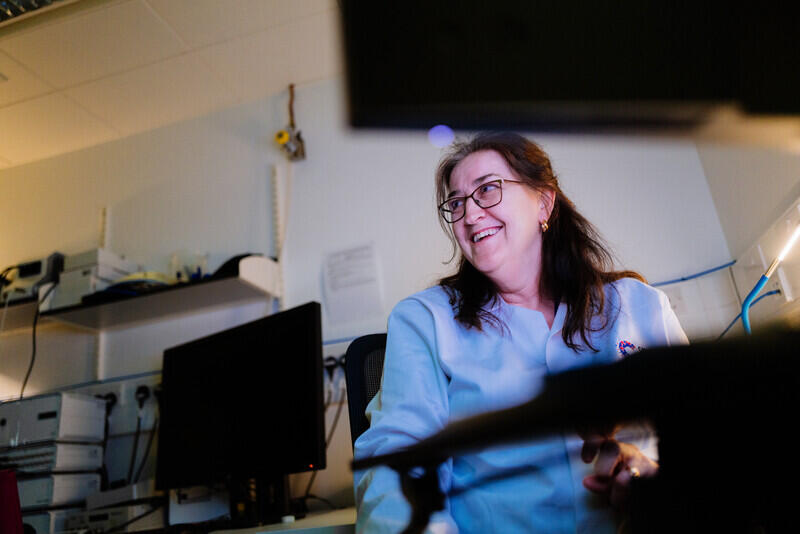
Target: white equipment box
[(50, 522), (52, 458), (55, 417), (98, 257), (104, 520), (56, 490), (85, 274)]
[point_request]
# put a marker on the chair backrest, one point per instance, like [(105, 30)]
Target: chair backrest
[(363, 368)]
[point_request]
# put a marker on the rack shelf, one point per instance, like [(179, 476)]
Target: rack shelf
[(258, 278), (18, 314)]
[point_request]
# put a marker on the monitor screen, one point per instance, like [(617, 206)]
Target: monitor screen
[(556, 65), (245, 402)]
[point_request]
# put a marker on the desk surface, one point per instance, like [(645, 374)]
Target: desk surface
[(333, 522)]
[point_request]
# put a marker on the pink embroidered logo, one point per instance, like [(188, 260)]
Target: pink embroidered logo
[(626, 348)]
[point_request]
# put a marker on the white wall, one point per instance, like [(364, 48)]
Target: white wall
[(648, 198), (202, 186), (751, 188)]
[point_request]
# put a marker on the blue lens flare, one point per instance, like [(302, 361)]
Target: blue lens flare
[(440, 135)]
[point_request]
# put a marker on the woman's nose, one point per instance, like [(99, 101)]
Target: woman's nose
[(472, 212)]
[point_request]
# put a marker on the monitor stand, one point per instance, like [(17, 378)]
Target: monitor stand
[(260, 500)]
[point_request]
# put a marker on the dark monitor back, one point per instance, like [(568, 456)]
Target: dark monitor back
[(244, 402), (553, 64)]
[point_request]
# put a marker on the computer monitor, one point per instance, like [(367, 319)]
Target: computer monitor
[(245, 403), (564, 66)]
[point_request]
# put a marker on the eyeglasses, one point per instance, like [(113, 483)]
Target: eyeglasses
[(486, 195)]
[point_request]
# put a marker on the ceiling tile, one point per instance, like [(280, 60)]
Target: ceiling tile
[(95, 44), (20, 84), (203, 22), (266, 62), (316, 47), (46, 126), (155, 95)]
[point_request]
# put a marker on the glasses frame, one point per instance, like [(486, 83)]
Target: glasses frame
[(444, 211)]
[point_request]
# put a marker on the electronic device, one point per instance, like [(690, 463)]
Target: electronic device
[(52, 458), (56, 490), (87, 273), (102, 258), (245, 407), (54, 417), (31, 276), (106, 519), (564, 66)]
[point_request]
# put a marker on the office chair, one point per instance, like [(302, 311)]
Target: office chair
[(363, 368)]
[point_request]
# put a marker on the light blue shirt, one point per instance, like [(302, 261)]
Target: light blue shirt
[(437, 371)]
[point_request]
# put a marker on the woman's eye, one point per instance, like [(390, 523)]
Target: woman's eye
[(488, 188), (454, 204)]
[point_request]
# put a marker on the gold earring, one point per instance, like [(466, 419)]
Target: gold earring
[(545, 226)]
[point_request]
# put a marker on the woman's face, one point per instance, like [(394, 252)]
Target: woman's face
[(505, 240)]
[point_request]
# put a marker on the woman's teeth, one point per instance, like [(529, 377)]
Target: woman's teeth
[(490, 231)]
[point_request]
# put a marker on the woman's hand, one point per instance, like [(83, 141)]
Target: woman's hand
[(617, 464)]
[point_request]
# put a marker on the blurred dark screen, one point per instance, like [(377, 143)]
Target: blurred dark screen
[(244, 402), (477, 64)]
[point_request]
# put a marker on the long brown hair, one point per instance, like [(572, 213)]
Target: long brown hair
[(576, 264)]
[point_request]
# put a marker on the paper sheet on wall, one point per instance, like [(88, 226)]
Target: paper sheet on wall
[(351, 285)]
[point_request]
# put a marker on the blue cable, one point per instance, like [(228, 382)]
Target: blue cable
[(748, 301), (768, 293), (696, 275), (340, 340)]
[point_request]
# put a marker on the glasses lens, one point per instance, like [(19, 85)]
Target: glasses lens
[(453, 209), (488, 194)]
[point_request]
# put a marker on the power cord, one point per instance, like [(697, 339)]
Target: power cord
[(330, 365), (33, 352), (157, 395), (111, 401), (142, 394), (3, 280), (768, 293)]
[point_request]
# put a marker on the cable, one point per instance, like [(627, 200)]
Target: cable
[(326, 501), (33, 352), (111, 401), (328, 440), (768, 293), (142, 394), (291, 105), (135, 446), (146, 450), (314, 474), (3, 280), (335, 419), (696, 275), (3, 320)]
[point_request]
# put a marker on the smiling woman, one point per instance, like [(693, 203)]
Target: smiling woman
[(534, 294), (536, 268)]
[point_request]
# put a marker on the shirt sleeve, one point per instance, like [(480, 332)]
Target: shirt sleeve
[(673, 333), (412, 404)]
